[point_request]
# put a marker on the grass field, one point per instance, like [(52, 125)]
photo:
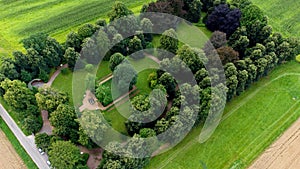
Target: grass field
[(20, 19), (251, 122), (19, 149), (284, 15)]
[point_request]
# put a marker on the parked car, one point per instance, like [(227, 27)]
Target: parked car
[(48, 163), (41, 151)]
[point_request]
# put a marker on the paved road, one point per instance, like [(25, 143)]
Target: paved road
[(26, 142)]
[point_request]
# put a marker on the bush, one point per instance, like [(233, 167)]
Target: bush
[(65, 71), (298, 58), (89, 68)]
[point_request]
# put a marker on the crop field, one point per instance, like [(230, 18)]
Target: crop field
[(20, 19), (284, 15), (251, 122)]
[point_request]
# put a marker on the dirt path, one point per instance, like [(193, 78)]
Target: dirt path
[(155, 59), (55, 74), (9, 159), (283, 153)]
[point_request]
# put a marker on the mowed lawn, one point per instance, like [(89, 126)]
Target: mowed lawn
[(20, 19), (284, 15), (251, 122)]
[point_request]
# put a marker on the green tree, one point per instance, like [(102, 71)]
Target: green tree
[(103, 94), (85, 31), (17, 94), (147, 28), (115, 60), (42, 141), (71, 57), (208, 5), (32, 124), (73, 41), (119, 10), (90, 82), (169, 83), (94, 125), (169, 42), (8, 68), (135, 45), (231, 80), (63, 119), (193, 9), (64, 155), (192, 59), (49, 98), (125, 76), (89, 68), (147, 132)]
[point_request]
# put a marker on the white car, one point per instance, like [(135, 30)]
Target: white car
[(48, 163), (41, 151)]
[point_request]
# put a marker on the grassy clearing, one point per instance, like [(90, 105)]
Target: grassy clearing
[(63, 82), (284, 15), (251, 122), (20, 19), (19, 149)]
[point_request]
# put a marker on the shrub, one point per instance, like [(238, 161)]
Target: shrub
[(298, 58), (65, 71), (89, 68)]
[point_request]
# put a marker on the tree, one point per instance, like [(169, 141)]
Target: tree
[(131, 24), (64, 155), (192, 59), (49, 98), (239, 41), (115, 60), (231, 80), (32, 124), (119, 44), (227, 55), (64, 123), (89, 68), (169, 83), (242, 76), (147, 132), (224, 19), (42, 140), (241, 4), (47, 49), (193, 10), (124, 78), (25, 76), (93, 125), (135, 45), (218, 39), (147, 28), (208, 5), (84, 139), (90, 82), (85, 31), (252, 72), (119, 10), (17, 94), (71, 57), (8, 68), (90, 51), (102, 46), (169, 42), (251, 14), (103, 94), (73, 41)]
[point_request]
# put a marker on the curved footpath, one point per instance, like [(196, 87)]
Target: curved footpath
[(26, 142)]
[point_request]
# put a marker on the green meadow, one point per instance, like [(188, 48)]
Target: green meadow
[(20, 19), (284, 15)]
